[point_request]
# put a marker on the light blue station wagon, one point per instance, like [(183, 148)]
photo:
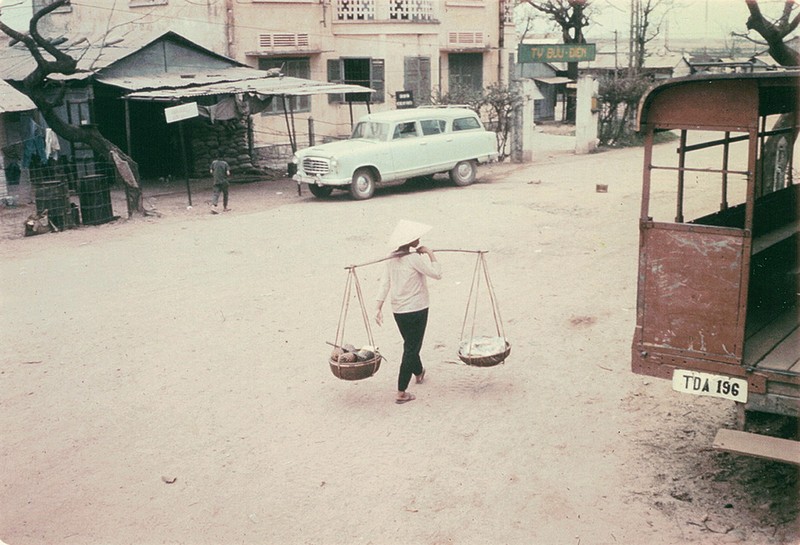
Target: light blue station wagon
[(393, 146)]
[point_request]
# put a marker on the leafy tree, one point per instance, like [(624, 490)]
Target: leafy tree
[(495, 105), (619, 100), (48, 94)]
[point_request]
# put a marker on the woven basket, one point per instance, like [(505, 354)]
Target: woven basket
[(357, 370), (486, 361)]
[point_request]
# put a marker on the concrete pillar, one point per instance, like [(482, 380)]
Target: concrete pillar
[(522, 130), (586, 115)]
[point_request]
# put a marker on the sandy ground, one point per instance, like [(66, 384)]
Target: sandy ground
[(165, 380)]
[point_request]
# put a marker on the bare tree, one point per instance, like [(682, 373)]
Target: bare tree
[(775, 32), (647, 16), (571, 16), (48, 94)]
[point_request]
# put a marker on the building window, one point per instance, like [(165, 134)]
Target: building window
[(355, 10), (296, 67), (411, 10), (466, 72), (417, 78), (364, 71)]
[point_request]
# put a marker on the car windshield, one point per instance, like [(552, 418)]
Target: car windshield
[(371, 130)]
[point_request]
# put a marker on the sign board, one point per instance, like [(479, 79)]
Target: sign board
[(182, 111), (556, 52), (404, 99)]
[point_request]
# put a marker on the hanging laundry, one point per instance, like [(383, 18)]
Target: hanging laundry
[(51, 144)]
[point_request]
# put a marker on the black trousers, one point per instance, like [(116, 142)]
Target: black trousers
[(412, 329)]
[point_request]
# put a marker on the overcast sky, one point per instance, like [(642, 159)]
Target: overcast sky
[(712, 20)]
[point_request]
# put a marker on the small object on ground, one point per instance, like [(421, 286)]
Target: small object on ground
[(168, 479), (601, 188)]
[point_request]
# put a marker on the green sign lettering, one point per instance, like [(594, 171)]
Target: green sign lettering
[(556, 53)]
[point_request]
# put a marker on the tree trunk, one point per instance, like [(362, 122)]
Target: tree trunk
[(103, 148)]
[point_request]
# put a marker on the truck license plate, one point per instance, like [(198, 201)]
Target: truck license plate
[(706, 384)]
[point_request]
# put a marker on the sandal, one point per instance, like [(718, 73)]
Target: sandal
[(405, 399), (421, 377)]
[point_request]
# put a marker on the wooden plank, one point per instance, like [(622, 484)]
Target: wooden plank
[(773, 237), (785, 356), (761, 446), (759, 344)]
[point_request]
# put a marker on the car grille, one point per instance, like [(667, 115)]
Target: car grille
[(315, 167)]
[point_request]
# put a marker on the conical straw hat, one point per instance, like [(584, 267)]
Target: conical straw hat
[(406, 232)]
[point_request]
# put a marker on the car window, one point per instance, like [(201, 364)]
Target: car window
[(432, 126), (405, 130), (371, 130), (466, 124)]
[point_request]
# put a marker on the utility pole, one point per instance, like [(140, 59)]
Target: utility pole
[(501, 40)]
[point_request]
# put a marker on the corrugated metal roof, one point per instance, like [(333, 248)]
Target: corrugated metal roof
[(175, 80), (16, 61), (12, 100), (258, 86)]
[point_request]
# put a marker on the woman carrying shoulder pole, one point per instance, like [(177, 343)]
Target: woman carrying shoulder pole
[(405, 278)]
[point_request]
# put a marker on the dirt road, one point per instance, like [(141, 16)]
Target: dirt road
[(165, 380)]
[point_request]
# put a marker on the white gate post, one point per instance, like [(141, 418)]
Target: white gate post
[(586, 115), (522, 130)]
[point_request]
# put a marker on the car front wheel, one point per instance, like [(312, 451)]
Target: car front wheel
[(363, 185), (464, 173), (320, 191)]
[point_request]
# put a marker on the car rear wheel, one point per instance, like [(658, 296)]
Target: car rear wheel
[(464, 173), (363, 185), (320, 191)]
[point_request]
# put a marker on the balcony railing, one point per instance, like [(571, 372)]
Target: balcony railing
[(419, 11)]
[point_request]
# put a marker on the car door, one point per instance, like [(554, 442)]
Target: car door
[(438, 146), (408, 155)]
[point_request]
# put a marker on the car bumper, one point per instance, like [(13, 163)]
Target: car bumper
[(319, 180)]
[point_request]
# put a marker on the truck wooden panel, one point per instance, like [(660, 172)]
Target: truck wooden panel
[(718, 294)]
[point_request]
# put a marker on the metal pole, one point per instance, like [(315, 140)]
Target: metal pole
[(185, 162), (128, 125), (725, 154), (681, 165)]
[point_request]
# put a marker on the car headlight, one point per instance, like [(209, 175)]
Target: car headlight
[(334, 165)]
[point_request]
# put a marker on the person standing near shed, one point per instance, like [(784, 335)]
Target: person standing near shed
[(405, 276), (221, 172)]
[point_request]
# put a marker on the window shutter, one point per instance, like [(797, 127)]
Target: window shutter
[(377, 80), (417, 78), (335, 76), (424, 80)]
